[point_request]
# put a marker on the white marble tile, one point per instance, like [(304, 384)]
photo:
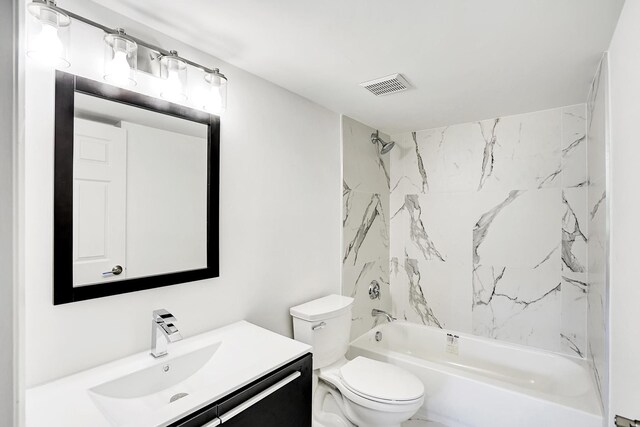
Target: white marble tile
[(434, 226), (421, 422), (365, 218), (432, 293), (596, 126), (574, 230), (520, 305), (573, 331), (365, 227), (356, 282), (521, 152), (507, 193), (597, 229), (518, 228), (410, 299), (405, 174), (411, 233), (574, 146), (597, 293), (364, 169), (439, 160)]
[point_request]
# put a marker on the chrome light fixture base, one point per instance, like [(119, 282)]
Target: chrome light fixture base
[(43, 10)]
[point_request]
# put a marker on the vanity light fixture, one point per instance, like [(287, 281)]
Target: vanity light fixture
[(173, 70), (48, 42), (48, 34), (120, 58), (216, 101)]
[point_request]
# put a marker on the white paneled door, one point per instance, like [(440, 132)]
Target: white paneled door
[(99, 202)]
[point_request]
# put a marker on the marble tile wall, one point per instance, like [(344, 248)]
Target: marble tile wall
[(365, 221), (488, 226), (597, 229)]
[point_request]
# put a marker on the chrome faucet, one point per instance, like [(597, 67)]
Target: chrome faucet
[(375, 313), (163, 321)]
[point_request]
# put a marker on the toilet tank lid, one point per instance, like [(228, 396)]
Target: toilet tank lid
[(322, 308)]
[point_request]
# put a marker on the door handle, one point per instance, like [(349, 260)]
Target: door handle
[(115, 271), (257, 398)]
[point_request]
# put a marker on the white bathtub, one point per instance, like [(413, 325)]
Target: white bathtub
[(488, 383)]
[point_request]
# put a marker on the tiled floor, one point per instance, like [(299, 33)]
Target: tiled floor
[(420, 422)]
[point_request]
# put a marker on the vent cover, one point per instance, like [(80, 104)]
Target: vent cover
[(386, 85)]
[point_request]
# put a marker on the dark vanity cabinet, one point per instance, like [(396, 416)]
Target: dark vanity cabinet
[(281, 398)]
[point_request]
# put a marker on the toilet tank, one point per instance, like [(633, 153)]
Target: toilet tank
[(324, 324)]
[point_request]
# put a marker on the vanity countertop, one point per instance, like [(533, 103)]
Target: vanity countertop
[(243, 353)]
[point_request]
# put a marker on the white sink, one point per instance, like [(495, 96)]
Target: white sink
[(165, 374), (150, 389), (140, 391)]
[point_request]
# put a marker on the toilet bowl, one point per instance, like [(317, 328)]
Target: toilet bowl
[(374, 393), (368, 393)]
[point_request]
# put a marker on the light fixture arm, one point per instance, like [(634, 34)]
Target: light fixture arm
[(161, 52)]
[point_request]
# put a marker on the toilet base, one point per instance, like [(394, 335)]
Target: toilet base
[(332, 409), (326, 407)]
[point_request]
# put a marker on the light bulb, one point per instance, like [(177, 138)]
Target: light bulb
[(173, 87), (215, 100), (118, 70), (46, 47), (120, 58)]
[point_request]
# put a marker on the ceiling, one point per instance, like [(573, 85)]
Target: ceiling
[(467, 59)]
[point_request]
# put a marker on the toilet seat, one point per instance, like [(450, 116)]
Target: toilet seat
[(381, 382), (375, 385)]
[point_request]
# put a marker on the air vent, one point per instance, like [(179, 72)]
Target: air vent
[(386, 85)]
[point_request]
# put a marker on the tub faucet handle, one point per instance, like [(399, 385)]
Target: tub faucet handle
[(374, 290)]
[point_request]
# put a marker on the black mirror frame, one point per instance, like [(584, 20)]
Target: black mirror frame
[(66, 86)]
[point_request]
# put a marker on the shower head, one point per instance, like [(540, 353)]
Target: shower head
[(386, 146)]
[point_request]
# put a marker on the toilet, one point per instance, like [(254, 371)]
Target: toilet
[(368, 393)]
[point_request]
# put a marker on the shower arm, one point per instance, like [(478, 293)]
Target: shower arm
[(375, 138)]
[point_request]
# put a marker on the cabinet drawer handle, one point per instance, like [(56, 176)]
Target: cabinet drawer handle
[(214, 423), (257, 398)]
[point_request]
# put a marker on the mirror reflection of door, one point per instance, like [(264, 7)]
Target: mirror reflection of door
[(99, 200), (140, 193), (166, 200)]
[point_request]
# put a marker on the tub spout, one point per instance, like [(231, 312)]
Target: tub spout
[(375, 313)]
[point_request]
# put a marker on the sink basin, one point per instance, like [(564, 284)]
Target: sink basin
[(152, 388), (163, 375)]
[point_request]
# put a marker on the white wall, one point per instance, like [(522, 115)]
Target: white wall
[(7, 209), (624, 60), (279, 219)]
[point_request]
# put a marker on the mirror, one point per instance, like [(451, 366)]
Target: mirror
[(136, 191)]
